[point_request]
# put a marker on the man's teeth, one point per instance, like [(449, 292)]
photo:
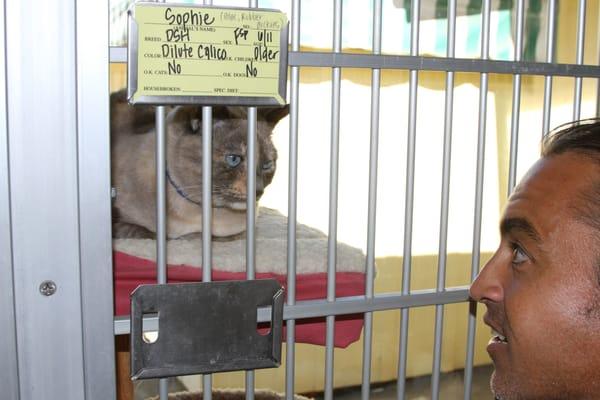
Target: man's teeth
[(500, 337)]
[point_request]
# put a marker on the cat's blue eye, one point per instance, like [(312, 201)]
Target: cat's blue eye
[(267, 166), (233, 160)]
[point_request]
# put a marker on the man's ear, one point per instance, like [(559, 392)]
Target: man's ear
[(273, 114)]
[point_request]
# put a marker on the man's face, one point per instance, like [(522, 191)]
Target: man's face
[(542, 290)]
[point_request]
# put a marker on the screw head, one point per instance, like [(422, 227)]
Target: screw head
[(47, 288)]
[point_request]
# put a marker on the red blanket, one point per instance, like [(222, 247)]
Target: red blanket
[(132, 271)]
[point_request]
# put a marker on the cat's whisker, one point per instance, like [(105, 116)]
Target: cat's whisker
[(190, 186), (194, 194)]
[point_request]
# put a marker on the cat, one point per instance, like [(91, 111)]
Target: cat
[(133, 174)]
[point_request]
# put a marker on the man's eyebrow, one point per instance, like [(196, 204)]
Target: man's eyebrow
[(509, 225)]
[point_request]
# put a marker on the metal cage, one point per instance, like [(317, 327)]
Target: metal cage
[(55, 189)]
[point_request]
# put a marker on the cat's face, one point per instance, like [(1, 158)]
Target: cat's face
[(229, 155)]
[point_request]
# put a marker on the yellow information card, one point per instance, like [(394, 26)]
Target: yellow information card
[(181, 54)]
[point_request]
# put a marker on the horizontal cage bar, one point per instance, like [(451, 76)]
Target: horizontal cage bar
[(342, 306)]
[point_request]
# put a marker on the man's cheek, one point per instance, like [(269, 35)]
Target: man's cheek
[(528, 322)]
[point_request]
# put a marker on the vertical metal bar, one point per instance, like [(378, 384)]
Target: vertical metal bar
[(442, 255), (372, 211), (333, 197), (251, 195), (408, 209), (161, 196), (207, 217), (249, 385), (251, 210), (94, 201), (292, 205), (207, 214), (516, 100), (44, 197), (550, 36), (9, 370), (579, 58), (161, 215), (206, 194), (250, 219), (476, 253)]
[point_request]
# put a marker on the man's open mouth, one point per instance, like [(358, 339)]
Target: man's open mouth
[(497, 337)]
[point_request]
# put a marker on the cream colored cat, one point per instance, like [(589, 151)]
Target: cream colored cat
[(133, 167)]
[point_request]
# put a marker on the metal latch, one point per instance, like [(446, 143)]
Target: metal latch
[(205, 328)]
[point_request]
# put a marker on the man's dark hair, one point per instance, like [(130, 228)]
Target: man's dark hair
[(581, 137)]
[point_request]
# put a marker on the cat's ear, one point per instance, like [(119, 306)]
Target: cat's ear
[(186, 119), (273, 114), (196, 124), (127, 118), (228, 112)]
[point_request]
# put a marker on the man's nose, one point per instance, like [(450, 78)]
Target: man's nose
[(488, 284)]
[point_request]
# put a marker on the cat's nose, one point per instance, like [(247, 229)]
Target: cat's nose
[(259, 192)]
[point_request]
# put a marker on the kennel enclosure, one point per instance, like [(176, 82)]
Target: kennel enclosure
[(56, 304)]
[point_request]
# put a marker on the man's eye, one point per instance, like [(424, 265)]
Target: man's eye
[(518, 256)]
